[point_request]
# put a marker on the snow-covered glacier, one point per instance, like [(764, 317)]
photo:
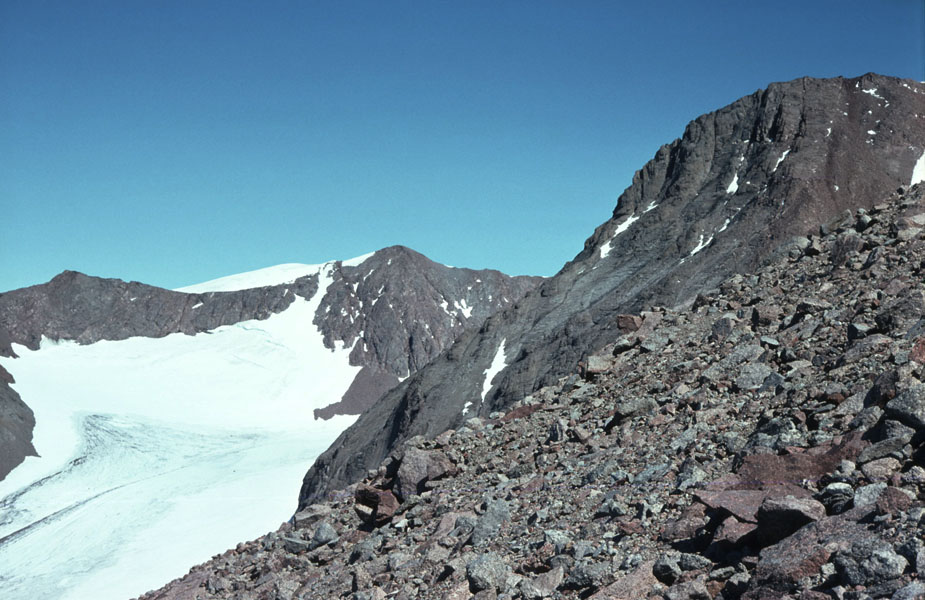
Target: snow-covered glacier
[(156, 454)]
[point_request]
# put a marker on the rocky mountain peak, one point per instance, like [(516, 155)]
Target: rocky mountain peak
[(763, 441), (742, 185)]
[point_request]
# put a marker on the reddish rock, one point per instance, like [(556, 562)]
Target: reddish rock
[(892, 501), (733, 532), (743, 504), (375, 506), (780, 517), (918, 350), (760, 471), (686, 526), (629, 526), (765, 314), (418, 467), (520, 412), (628, 323), (636, 585), (802, 554)]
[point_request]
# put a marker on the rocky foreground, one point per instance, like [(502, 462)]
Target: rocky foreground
[(763, 441)]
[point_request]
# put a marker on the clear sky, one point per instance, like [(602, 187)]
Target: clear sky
[(175, 142)]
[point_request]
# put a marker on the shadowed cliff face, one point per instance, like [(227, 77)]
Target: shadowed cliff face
[(735, 189), (396, 309)]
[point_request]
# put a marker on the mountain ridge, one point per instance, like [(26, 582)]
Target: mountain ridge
[(793, 142), (424, 306), (764, 441)]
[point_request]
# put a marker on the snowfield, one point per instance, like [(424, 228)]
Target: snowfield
[(158, 453)]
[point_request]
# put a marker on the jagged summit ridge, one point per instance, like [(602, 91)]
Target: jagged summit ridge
[(799, 153)]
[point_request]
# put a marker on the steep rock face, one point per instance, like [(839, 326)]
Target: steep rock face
[(735, 189), (16, 425), (399, 310), (396, 309)]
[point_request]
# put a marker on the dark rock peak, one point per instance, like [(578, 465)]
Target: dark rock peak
[(407, 308), (736, 188)]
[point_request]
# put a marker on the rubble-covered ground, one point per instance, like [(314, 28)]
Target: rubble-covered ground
[(764, 441)]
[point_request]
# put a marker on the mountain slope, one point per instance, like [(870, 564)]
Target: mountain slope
[(155, 415), (730, 193), (763, 442)]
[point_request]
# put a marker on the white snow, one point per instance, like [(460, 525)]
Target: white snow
[(828, 131), (871, 132), (651, 206), (733, 185), (873, 92), (701, 244), (781, 159), (285, 273), (462, 307), (356, 262), (918, 171), (158, 453), (195, 306), (836, 188), (607, 246), (725, 225), (497, 364)]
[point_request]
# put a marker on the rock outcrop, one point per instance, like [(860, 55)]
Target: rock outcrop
[(777, 454), (742, 185)]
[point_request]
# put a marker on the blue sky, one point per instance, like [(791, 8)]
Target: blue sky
[(176, 142)]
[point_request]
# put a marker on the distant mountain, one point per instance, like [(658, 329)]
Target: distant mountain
[(394, 308), (742, 185), (196, 410)]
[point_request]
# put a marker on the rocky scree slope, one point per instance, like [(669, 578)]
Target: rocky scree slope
[(763, 441), (726, 197), (396, 309)]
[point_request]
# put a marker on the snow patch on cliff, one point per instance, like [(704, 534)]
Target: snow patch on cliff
[(497, 364), (918, 171)]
